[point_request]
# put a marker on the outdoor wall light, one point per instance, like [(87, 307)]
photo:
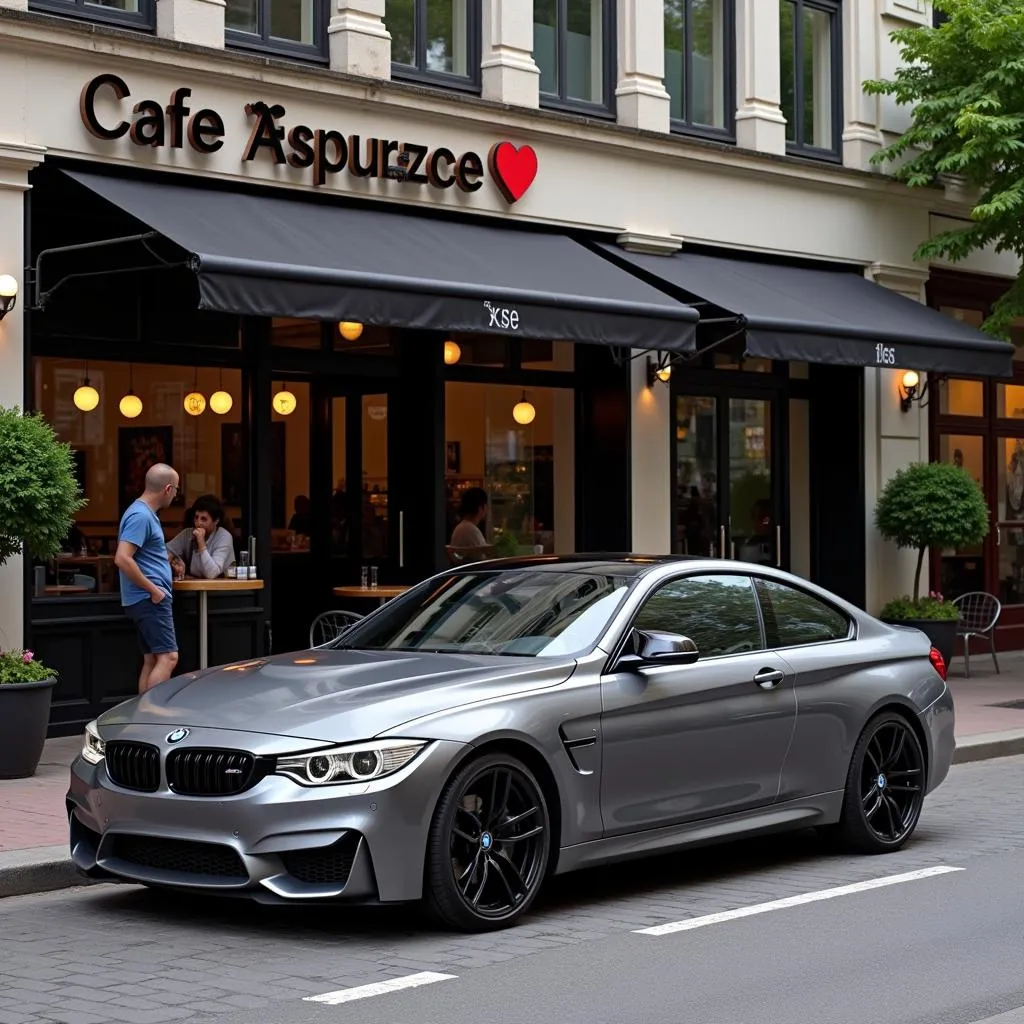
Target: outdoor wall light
[(452, 353), (660, 370), (524, 412), (284, 402), (8, 294), (909, 384), (350, 330)]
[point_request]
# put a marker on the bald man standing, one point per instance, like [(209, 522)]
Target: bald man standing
[(145, 573)]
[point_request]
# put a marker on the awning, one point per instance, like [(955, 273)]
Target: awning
[(268, 256), (825, 316)]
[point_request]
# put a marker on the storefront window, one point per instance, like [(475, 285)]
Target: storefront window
[(1010, 513), (570, 46), (433, 37), (139, 417), (291, 25), (963, 569), (696, 475), (290, 477), (961, 397), (1010, 401), (811, 60), (698, 67), (525, 468)]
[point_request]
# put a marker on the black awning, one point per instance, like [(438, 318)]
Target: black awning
[(261, 255), (826, 316)]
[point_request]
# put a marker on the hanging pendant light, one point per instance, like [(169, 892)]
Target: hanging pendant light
[(452, 353), (524, 411), (284, 402), (195, 401), (86, 397), (221, 401), (350, 330), (130, 404)]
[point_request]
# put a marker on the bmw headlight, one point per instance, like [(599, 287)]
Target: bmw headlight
[(93, 748), (359, 762)]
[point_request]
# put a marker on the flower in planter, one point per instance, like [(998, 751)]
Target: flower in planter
[(18, 666)]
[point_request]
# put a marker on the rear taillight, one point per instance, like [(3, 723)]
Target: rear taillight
[(938, 662)]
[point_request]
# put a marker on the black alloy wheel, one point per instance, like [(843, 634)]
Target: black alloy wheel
[(489, 845), (885, 786)]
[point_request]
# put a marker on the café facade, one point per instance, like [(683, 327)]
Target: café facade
[(337, 304)]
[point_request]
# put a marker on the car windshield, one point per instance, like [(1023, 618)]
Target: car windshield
[(534, 614)]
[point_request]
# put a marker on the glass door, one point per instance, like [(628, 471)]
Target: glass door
[(728, 486), (1009, 531)]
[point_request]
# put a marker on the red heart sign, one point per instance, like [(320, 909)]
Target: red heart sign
[(513, 169)]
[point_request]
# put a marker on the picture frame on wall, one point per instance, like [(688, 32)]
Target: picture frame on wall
[(453, 457), (138, 448)]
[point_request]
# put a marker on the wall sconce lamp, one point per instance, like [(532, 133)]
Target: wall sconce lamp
[(8, 294), (911, 390), (659, 371)]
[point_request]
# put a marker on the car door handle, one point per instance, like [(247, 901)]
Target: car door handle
[(769, 678)]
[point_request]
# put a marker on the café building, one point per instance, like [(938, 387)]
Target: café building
[(338, 301)]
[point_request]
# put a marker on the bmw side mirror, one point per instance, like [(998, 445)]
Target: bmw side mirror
[(653, 647)]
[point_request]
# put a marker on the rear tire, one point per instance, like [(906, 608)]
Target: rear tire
[(488, 846), (884, 788)]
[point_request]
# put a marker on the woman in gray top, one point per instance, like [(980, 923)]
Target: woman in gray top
[(208, 549)]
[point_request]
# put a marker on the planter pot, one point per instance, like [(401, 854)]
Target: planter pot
[(941, 632), (24, 717)]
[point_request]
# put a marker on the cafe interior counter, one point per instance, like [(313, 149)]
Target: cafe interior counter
[(92, 645)]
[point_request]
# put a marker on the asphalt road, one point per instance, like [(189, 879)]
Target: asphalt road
[(939, 949)]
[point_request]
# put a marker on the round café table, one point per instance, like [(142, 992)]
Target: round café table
[(203, 588), (380, 593)]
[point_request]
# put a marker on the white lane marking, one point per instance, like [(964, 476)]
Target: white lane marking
[(378, 988), (794, 901)]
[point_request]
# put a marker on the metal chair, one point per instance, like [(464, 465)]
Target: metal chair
[(328, 626), (979, 613)]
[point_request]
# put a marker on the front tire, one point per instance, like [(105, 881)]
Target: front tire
[(884, 787), (488, 847)]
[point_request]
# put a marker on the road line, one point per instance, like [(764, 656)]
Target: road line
[(378, 988), (794, 901)]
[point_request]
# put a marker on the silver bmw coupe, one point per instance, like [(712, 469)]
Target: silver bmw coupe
[(510, 720)]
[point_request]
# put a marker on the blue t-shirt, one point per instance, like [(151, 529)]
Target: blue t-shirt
[(140, 526)]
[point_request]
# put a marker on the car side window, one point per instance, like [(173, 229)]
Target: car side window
[(718, 613), (793, 618)]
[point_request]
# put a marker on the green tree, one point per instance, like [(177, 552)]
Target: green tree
[(39, 495), (965, 81), (931, 505)]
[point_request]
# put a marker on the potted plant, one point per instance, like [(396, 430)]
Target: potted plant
[(930, 505), (38, 499)]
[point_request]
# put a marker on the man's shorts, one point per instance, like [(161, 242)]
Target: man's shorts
[(155, 626)]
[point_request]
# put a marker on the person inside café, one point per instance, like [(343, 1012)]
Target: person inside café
[(468, 544), (207, 549)]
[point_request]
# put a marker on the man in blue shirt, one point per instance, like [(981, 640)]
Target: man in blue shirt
[(145, 571)]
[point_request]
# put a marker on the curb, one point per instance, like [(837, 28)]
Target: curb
[(43, 869), (48, 868)]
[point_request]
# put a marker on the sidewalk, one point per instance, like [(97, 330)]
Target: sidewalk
[(33, 827)]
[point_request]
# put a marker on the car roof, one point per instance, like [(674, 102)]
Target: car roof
[(608, 563)]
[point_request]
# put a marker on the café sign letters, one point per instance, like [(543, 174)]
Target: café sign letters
[(324, 152)]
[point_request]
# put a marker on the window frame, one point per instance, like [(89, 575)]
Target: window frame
[(703, 573), (263, 42), (686, 125), (851, 627), (609, 61), (834, 10), (143, 20), (418, 72)]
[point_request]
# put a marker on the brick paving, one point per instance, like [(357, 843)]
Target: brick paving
[(32, 810), (126, 954)]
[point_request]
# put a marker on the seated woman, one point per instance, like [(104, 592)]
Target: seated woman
[(468, 544), (208, 549)]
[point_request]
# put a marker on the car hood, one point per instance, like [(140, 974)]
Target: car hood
[(334, 696)]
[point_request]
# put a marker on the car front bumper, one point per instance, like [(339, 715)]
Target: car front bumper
[(275, 842)]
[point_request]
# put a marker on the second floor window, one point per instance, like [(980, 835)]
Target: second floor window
[(285, 26), (572, 45), (812, 76), (699, 44), (436, 39), (139, 14)]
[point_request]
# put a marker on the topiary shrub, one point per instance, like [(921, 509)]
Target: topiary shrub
[(931, 505), (39, 495)]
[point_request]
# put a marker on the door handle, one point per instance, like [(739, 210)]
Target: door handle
[(769, 678), (778, 547), (721, 542), (401, 540)]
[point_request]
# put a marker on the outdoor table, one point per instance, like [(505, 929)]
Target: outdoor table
[(203, 589), (380, 593)]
